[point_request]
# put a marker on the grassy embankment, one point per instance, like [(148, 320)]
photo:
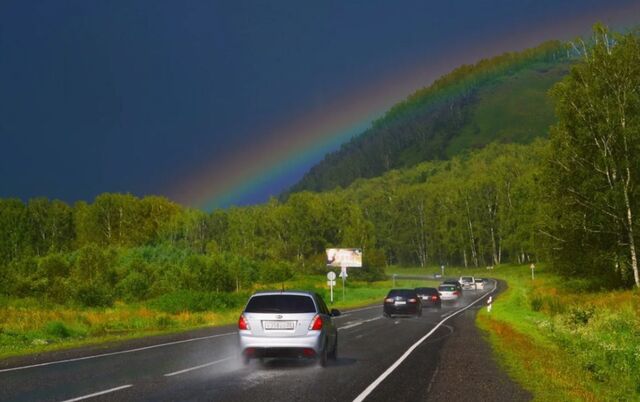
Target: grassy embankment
[(557, 338), (32, 326)]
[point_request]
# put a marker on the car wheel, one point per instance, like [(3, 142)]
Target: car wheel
[(334, 352), (245, 359), (323, 357)]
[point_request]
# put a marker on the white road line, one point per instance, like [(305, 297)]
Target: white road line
[(355, 324), (406, 354), (197, 367), (116, 353), (98, 393), (364, 308)]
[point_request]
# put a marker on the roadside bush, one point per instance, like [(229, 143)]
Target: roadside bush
[(93, 295), (186, 300), (275, 271), (135, 286), (536, 302), (57, 329), (580, 315)]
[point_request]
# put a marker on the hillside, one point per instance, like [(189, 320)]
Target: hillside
[(502, 99)]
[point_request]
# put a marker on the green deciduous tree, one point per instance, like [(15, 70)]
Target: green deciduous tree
[(594, 167)]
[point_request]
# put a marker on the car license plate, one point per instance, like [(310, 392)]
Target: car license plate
[(425, 298), (400, 302), (278, 324)]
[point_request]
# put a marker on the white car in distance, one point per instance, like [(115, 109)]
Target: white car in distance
[(467, 282)]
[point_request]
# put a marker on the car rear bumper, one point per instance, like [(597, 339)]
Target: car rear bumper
[(285, 345), (402, 309), (431, 303)]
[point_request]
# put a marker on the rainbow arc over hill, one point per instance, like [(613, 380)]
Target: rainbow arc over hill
[(305, 140)]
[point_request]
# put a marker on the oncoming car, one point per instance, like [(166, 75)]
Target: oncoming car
[(288, 324), (402, 302), (480, 283)]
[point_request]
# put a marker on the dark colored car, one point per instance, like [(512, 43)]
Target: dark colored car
[(430, 297), (453, 283), (402, 302)]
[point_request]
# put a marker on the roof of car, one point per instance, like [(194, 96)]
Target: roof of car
[(284, 292)]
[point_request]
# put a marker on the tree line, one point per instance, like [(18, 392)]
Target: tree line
[(571, 200)]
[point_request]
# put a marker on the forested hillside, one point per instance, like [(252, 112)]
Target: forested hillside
[(573, 198), (502, 99), (473, 210)]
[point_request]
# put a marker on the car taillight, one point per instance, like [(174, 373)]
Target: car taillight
[(316, 323), (456, 293), (434, 298), (243, 324), (412, 300), (389, 300)]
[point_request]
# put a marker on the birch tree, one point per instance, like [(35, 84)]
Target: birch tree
[(595, 161)]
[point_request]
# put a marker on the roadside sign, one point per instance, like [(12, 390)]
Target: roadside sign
[(331, 276), (344, 257), (331, 283)]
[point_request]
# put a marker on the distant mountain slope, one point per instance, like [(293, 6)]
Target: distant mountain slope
[(500, 99)]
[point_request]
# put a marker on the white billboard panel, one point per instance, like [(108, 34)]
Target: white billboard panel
[(344, 257)]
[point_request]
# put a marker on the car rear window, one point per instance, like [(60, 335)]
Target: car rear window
[(447, 288), (281, 304), (467, 278), (402, 292), (427, 291)]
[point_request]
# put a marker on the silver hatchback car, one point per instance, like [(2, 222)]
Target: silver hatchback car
[(288, 324)]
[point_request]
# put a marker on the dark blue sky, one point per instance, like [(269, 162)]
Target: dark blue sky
[(135, 96)]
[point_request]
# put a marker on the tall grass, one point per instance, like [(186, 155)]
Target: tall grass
[(565, 343), (30, 325)]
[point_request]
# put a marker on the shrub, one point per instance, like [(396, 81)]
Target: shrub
[(187, 300), (135, 286), (93, 295), (57, 329), (275, 272), (580, 315), (536, 302)]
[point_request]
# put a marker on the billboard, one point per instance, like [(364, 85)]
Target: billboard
[(344, 257)]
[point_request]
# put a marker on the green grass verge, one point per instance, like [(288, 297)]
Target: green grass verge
[(555, 338), (563, 344), (30, 326)]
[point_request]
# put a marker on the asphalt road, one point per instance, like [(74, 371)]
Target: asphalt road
[(379, 359)]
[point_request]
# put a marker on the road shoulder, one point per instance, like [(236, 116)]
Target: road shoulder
[(468, 369)]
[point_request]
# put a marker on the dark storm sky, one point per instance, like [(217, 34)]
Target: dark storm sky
[(137, 96)]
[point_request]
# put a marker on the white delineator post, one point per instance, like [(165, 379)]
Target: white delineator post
[(489, 303), (533, 267), (331, 276)]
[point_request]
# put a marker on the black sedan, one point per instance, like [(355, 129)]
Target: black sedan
[(430, 297), (402, 302)]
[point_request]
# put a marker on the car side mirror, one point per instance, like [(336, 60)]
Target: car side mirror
[(335, 312)]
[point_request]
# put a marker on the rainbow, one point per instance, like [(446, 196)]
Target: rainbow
[(305, 140)]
